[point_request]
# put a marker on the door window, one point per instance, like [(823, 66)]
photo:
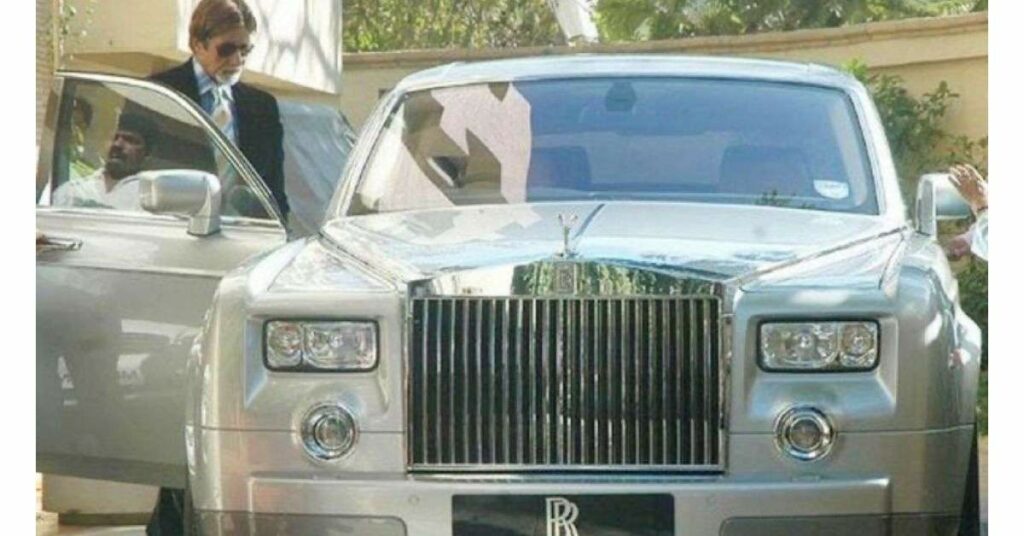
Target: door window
[(110, 132)]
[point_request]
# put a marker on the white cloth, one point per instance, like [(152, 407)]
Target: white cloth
[(979, 237), (91, 192)]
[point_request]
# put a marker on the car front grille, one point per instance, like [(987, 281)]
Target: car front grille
[(542, 384)]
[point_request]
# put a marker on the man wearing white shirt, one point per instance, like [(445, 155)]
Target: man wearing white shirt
[(115, 185), (974, 189)]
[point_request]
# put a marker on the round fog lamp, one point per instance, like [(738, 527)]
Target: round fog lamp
[(804, 433), (328, 432)]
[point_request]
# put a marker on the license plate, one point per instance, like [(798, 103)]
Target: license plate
[(563, 515)]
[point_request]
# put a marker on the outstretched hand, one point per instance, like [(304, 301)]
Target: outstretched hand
[(971, 185), (959, 246)]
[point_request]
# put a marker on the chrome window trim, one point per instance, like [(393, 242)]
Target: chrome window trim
[(362, 153), (47, 142), (240, 163), (236, 222)]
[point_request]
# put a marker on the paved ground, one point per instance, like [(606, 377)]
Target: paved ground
[(46, 523), (983, 476)]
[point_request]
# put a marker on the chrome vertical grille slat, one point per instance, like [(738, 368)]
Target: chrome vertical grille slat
[(706, 338), (576, 383), (666, 379), (453, 379), (518, 394), (466, 376), (439, 437), (623, 347), (693, 392), (546, 383), (478, 410), (493, 395), (584, 382)]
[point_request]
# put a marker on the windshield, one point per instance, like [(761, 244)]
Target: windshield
[(659, 139)]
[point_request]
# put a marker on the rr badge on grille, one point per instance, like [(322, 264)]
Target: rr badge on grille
[(565, 278)]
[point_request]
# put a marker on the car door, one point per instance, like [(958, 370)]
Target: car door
[(121, 292)]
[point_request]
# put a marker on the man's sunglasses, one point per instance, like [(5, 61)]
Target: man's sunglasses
[(226, 50)]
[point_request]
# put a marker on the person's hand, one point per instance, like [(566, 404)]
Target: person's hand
[(971, 186), (959, 246)]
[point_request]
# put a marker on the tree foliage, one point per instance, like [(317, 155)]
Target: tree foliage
[(74, 17), (379, 25), (641, 20)]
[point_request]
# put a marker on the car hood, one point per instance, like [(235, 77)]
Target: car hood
[(711, 242)]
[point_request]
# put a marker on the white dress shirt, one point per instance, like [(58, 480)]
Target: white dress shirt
[(91, 192), (979, 236)]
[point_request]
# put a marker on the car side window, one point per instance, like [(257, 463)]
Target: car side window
[(109, 132)]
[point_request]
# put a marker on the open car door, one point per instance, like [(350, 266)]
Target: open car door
[(121, 292)]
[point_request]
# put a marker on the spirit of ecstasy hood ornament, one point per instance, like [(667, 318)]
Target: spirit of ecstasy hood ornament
[(568, 221)]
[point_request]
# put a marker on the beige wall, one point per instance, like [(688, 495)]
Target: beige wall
[(298, 43), (922, 51), (44, 59)]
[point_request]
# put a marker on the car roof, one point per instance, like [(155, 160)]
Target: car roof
[(607, 65)]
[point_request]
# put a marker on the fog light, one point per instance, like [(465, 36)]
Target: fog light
[(804, 433), (328, 432)]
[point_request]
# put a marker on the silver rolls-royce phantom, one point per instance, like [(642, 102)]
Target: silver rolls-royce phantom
[(560, 296)]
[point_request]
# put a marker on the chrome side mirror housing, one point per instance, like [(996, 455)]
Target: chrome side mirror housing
[(938, 200), (188, 192)]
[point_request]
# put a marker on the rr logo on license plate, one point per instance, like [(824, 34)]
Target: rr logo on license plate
[(561, 516), (650, 514)]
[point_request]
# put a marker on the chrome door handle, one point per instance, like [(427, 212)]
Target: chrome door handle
[(51, 243)]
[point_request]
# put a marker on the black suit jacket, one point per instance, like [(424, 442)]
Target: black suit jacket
[(260, 134)]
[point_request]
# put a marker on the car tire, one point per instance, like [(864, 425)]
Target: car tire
[(166, 517), (189, 516), (970, 514)]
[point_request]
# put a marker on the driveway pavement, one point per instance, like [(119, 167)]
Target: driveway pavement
[(46, 523)]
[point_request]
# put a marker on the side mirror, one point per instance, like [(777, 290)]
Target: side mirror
[(187, 192), (938, 200)]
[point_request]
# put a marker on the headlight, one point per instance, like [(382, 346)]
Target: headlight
[(320, 346), (829, 346)]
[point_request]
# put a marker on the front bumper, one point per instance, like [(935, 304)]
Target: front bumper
[(225, 523), (872, 483)]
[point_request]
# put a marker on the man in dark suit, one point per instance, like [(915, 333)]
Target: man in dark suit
[(220, 34), (220, 38)]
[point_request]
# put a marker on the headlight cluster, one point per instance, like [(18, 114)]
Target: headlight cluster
[(347, 346), (829, 346)]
